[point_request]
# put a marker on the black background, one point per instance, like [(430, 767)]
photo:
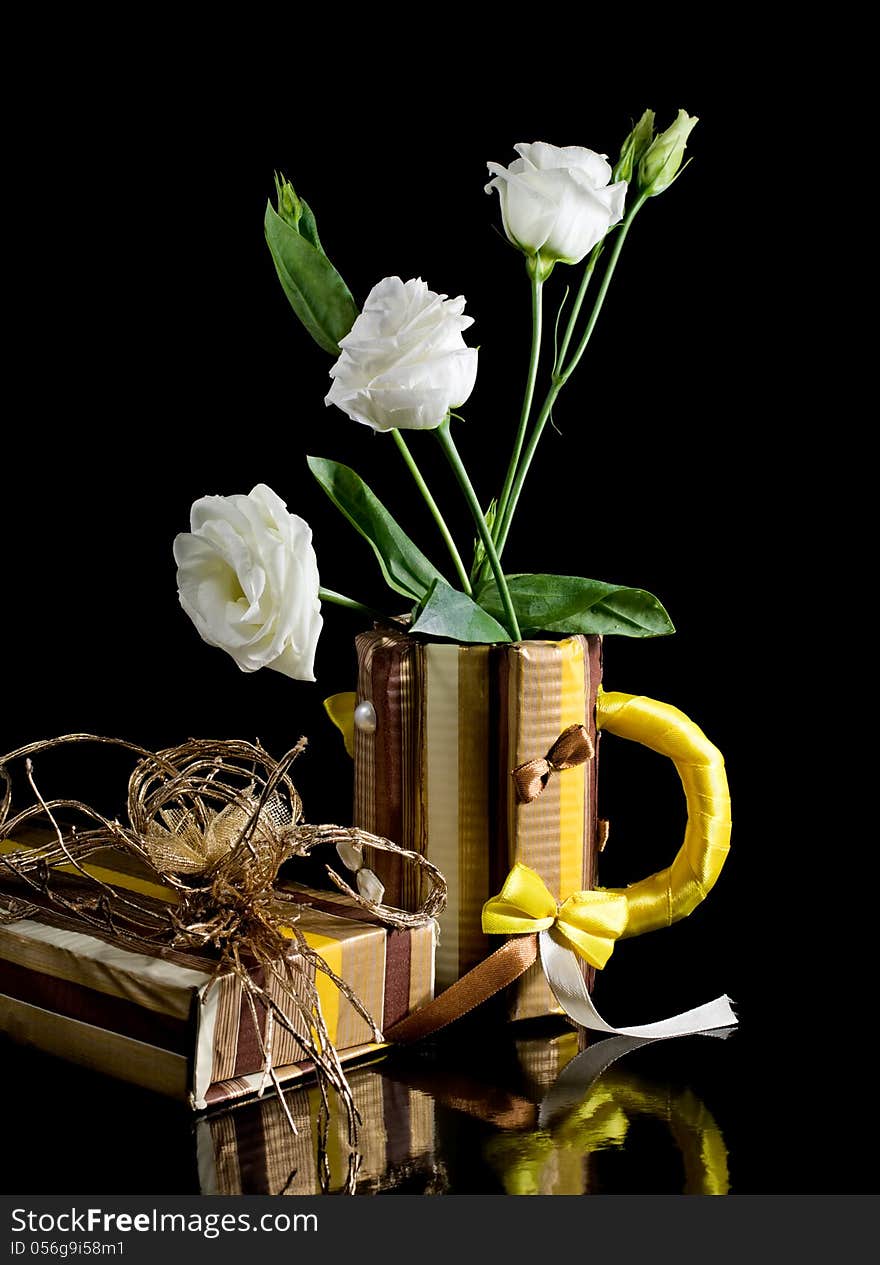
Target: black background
[(155, 359)]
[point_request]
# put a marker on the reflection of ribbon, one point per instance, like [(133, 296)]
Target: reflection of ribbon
[(590, 921), (571, 748)]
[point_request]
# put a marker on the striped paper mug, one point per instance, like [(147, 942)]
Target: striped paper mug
[(433, 762)]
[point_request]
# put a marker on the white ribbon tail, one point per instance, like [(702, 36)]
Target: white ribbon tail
[(563, 972)]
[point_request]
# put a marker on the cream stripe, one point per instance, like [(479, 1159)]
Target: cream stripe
[(95, 1048), (573, 782), (206, 1025), (226, 1026), (441, 737), (473, 802), (81, 959), (421, 966), (218, 1132)]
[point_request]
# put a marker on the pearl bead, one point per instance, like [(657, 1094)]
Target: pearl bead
[(365, 718)]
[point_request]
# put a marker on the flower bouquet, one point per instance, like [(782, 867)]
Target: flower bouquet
[(474, 726)]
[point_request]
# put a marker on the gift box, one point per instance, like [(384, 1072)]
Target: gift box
[(152, 1016), (251, 1149), (434, 772)]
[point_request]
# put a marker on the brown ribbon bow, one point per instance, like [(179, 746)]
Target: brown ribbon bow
[(571, 748)]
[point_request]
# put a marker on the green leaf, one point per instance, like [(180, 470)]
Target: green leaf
[(447, 613), (404, 566), (314, 288), (570, 604)]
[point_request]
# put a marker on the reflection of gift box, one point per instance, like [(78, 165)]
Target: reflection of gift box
[(251, 1149), (435, 775), (148, 1015)]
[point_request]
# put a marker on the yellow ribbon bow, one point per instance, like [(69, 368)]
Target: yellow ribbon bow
[(573, 747), (590, 921)]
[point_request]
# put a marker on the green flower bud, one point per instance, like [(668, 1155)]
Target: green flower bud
[(295, 211), (660, 162), (290, 208), (634, 146)]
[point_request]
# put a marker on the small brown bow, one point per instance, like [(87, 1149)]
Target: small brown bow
[(571, 748)]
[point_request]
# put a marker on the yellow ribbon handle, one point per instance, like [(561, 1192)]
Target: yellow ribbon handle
[(589, 921), (673, 893)]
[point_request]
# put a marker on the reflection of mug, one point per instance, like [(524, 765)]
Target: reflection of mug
[(554, 1160), (480, 756)]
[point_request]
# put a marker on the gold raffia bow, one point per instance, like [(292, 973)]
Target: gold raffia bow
[(589, 921), (571, 748)]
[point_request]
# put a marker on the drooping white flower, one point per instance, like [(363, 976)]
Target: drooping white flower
[(404, 364), (247, 576), (556, 202)]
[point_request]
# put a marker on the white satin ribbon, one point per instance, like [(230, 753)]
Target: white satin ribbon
[(563, 972)]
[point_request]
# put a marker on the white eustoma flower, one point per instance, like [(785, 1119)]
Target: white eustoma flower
[(404, 363), (247, 576), (557, 202)]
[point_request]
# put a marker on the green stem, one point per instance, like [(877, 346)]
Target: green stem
[(339, 599), (447, 443), (578, 303), (603, 290), (435, 510), (537, 287), (561, 375)]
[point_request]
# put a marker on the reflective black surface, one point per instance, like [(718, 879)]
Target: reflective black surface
[(516, 1111)]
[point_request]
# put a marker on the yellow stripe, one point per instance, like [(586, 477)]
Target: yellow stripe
[(143, 886), (572, 783), (330, 950), (328, 993)]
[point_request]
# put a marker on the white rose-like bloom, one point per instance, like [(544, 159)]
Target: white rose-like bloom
[(247, 576), (557, 202), (404, 363)]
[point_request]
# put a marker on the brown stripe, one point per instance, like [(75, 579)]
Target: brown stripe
[(364, 768), (102, 1010), (387, 761), (398, 948), (251, 1151), (340, 905), (412, 768), (503, 967), (412, 686), (396, 1099), (248, 1055)]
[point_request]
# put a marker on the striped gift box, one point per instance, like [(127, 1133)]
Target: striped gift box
[(253, 1151), (453, 721), (149, 1017)]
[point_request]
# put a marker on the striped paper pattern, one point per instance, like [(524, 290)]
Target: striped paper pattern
[(252, 1151), (452, 722), (150, 1017)]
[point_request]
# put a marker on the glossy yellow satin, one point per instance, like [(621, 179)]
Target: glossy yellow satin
[(340, 709), (589, 921), (673, 893)]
